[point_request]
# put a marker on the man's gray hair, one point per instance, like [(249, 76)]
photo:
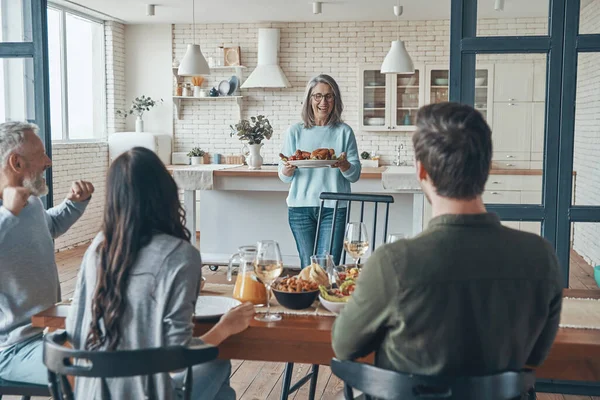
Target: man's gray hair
[(308, 115), (12, 137)]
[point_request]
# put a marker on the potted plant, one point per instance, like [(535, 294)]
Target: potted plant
[(253, 132), (369, 161), (138, 106), (196, 156)]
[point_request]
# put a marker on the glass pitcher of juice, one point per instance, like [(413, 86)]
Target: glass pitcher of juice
[(247, 286)]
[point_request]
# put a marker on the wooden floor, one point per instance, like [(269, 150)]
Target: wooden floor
[(253, 380)]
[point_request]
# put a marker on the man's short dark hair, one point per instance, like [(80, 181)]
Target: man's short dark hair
[(454, 144)]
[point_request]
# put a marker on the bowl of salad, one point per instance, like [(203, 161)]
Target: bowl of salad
[(334, 299)]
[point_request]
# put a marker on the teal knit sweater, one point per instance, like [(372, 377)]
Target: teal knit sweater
[(308, 183)]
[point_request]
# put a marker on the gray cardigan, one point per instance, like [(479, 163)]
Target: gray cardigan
[(28, 276), (161, 296)]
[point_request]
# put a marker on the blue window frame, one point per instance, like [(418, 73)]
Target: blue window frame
[(33, 47), (562, 46)]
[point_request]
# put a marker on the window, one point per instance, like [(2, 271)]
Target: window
[(77, 76)]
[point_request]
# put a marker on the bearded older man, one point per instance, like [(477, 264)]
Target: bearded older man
[(29, 278)]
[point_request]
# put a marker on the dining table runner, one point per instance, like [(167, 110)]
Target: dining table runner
[(198, 177), (580, 313), (220, 289)]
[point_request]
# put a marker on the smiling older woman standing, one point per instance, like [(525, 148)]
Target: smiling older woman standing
[(321, 127)]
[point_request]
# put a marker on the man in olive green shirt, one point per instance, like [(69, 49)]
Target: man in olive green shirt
[(467, 296)]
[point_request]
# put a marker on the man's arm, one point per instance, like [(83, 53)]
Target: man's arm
[(544, 341), (13, 201), (359, 328), (7, 222), (63, 216)]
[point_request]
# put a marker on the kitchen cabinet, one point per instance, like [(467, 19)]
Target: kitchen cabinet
[(511, 130), (389, 102), (437, 89), (513, 82)]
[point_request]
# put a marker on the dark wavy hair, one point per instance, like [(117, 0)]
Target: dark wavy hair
[(141, 201)]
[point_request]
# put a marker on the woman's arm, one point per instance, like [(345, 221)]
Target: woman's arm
[(286, 172), (351, 172)]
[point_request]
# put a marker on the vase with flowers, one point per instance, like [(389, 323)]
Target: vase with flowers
[(253, 132), (138, 106)]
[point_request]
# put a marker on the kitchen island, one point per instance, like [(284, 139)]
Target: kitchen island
[(235, 206)]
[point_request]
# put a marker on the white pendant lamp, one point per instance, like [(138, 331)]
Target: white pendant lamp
[(398, 60), (193, 62)]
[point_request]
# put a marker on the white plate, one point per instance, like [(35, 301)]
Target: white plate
[(213, 306), (312, 163), (224, 88)]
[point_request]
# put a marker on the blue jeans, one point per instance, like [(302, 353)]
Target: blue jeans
[(23, 362), (303, 222), (210, 381)]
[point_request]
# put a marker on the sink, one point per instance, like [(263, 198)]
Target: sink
[(401, 170), (401, 178)]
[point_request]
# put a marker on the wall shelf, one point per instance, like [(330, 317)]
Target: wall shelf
[(177, 100)]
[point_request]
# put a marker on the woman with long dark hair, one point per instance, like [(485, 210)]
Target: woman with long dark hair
[(139, 282)]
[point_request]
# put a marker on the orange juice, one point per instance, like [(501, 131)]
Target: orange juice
[(248, 288)]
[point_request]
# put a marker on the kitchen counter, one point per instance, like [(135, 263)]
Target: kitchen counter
[(367, 172), (234, 206)]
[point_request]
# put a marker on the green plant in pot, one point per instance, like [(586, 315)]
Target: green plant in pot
[(253, 132), (367, 160), (196, 156)]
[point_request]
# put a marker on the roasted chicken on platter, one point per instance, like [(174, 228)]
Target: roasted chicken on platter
[(318, 154)]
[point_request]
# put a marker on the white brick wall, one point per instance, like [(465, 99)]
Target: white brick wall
[(87, 161), (307, 49), (587, 137)]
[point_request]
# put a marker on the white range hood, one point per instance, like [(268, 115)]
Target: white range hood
[(267, 73)]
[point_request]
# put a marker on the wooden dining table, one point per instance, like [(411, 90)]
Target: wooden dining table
[(574, 358)]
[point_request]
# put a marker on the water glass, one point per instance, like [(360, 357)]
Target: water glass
[(392, 237), (325, 261)]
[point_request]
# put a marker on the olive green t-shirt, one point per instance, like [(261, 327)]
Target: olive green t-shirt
[(467, 296)]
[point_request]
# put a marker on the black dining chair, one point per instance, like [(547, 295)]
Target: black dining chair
[(25, 390), (383, 384), (348, 199), (118, 364)]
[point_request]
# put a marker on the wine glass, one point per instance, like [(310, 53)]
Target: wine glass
[(267, 267), (356, 240), (392, 237)]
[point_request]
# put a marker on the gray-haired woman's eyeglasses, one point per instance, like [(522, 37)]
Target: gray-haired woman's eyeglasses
[(319, 96)]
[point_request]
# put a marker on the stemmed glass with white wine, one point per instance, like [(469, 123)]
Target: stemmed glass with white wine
[(267, 267), (356, 240)]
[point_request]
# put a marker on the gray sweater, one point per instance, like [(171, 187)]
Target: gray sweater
[(28, 276), (160, 299)]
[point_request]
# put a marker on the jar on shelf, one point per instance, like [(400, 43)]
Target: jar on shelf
[(179, 91), (188, 90)]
